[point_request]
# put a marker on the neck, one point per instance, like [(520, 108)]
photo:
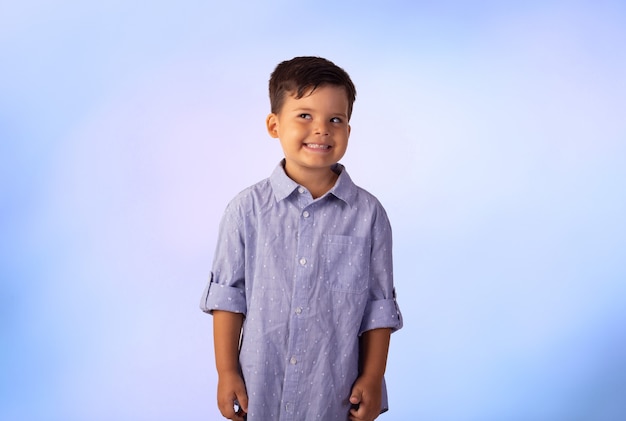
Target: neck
[(318, 182)]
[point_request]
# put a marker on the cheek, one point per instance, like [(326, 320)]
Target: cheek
[(345, 136), (342, 146), (292, 129)]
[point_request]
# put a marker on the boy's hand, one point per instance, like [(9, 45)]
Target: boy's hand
[(366, 399), (230, 390)]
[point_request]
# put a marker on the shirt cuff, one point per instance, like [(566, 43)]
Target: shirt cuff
[(381, 314), (222, 297)]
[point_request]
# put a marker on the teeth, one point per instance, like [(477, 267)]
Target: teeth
[(317, 146)]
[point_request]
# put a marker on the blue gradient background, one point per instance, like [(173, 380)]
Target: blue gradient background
[(493, 132)]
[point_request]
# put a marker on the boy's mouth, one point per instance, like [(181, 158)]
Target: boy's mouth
[(317, 146)]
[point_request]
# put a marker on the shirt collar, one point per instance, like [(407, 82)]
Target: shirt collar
[(343, 189)]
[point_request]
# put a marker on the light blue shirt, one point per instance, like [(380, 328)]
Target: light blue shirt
[(310, 276)]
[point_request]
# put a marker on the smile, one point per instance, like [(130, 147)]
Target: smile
[(316, 146)]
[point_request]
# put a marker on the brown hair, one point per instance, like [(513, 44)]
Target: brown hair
[(301, 74)]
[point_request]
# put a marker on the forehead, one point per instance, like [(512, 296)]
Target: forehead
[(324, 96)]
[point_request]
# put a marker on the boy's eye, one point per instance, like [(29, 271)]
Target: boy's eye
[(335, 120), (305, 115)]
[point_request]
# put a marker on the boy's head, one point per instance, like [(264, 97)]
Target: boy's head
[(302, 75)]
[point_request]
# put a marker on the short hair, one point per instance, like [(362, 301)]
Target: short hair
[(301, 74)]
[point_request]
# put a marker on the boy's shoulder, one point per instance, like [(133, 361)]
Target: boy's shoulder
[(252, 194), (370, 202), (354, 194), (261, 190), (365, 196)]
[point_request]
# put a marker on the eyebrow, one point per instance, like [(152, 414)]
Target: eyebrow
[(308, 110)]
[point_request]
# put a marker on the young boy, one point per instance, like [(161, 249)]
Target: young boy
[(301, 291)]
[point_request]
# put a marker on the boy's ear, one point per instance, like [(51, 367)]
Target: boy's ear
[(271, 122)]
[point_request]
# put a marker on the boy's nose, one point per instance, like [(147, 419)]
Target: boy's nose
[(322, 128)]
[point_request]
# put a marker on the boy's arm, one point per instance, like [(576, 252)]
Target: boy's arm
[(230, 386), (367, 389)]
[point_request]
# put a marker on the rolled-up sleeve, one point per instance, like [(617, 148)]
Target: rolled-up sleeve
[(382, 314), (222, 297), (226, 287), (382, 310)]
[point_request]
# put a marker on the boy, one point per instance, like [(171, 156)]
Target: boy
[(301, 291)]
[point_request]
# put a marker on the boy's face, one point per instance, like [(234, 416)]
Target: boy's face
[(313, 130)]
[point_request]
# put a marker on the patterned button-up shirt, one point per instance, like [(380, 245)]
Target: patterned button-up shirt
[(310, 276)]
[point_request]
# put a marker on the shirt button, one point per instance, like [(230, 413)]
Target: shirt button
[(306, 214), (300, 190), (293, 361), (298, 310), (303, 261)]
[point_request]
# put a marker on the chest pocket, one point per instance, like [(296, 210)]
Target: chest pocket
[(347, 262)]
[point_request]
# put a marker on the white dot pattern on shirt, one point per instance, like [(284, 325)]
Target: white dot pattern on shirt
[(321, 219)]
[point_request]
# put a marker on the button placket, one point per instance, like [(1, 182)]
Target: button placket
[(305, 262)]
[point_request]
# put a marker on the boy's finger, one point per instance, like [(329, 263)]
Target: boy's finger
[(361, 414), (238, 417), (357, 414), (242, 398), (356, 397), (235, 413), (227, 411)]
